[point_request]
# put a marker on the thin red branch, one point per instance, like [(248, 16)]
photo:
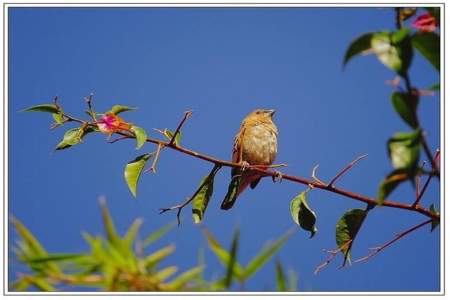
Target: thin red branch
[(311, 183), (376, 250), (345, 169), (330, 258), (186, 115), (422, 192)]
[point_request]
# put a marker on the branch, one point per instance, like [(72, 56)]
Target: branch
[(330, 258), (348, 167), (271, 173), (187, 114), (180, 206), (420, 195), (376, 250)]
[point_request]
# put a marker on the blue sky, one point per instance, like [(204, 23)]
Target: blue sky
[(221, 63)]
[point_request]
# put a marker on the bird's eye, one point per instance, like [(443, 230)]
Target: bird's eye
[(258, 112)]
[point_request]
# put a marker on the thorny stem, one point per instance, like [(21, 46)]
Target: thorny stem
[(376, 250), (332, 255), (345, 169), (422, 192), (311, 183), (187, 114), (180, 206), (155, 158)]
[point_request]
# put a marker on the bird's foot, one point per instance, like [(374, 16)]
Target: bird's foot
[(244, 165), (278, 176)]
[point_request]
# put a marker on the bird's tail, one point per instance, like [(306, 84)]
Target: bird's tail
[(237, 185)]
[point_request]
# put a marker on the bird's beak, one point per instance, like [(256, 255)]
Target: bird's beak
[(271, 112)]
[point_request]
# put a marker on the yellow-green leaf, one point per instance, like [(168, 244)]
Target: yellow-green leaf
[(71, 137), (117, 109), (406, 106), (404, 150), (141, 136), (133, 171), (347, 228), (388, 184), (49, 108)]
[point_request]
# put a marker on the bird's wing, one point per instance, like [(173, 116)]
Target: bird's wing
[(237, 150)]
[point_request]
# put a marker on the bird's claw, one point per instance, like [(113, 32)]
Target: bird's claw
[(277, 176), (245, 165)]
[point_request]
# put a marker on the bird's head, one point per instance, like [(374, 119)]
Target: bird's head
[(261, 115)]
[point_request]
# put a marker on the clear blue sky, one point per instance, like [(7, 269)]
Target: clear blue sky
[(222, 63)]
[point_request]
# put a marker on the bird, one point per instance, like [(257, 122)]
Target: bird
[(255, 143)]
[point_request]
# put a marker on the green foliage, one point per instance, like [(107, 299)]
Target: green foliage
[(347, 228), (357, 46), (394, 49), (141, 136), (117, 262), (390, 183), (406, 106), (201, 199), (428, 45), (404, 150), (117, 109), (435, 222), (229, 261), (71, 138), (49, 108), (133, 171), (302, 214)]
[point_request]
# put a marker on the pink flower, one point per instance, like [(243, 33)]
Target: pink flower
[(110, 123), (425, 23)]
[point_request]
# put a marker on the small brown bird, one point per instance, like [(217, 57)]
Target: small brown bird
[(254, 144)]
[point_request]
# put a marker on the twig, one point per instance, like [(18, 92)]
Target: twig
[(376, 250), (155, 159), (186, 115), (429, 154), (180, 206), (330, 258), (313, 175), (425, 186), (348, 167), (89, 104)]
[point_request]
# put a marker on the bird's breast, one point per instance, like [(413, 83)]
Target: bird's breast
[(259, 145)]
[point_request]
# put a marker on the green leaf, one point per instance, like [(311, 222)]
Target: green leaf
[(21, 284), (55, 257), (117, 109), (404, 150), (133, 171), (231, 195), (406, 106), (428, 45), (302, 214), (222, 255), (360, 44), (169, 135), (132, 231), (165, 273), (154, 258), (108, 224), (264, 254), (141, 136), (292, 281), (58, 117), (71, 137), (33, 244), (41, 284), (390, 183), (158, 233), (232, 260), (280, 278), (394, 50), (49, 108), (179, 281), (347, 228), (434, 223), (201, 200)]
